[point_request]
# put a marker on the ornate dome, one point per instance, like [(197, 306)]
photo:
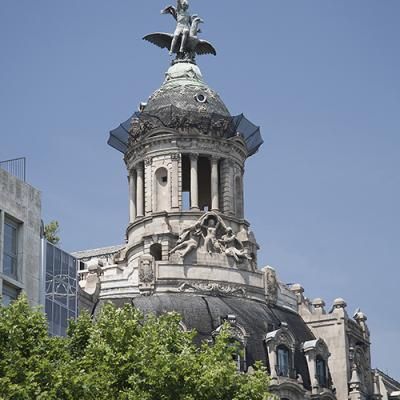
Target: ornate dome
[(185, 89), (253, 320)]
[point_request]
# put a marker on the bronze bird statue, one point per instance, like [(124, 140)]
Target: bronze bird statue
[(193, 43), (185, 41)]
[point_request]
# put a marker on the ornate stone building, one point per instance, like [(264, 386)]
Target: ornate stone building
[(190, 249)]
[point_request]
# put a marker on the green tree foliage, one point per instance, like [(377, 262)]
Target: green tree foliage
[(123, 355), (51, 231)]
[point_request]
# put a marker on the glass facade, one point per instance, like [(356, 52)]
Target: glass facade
[(61, 289)]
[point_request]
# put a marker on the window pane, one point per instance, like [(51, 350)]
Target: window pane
[(9, 294), (64, 321), (49, 259), (321, 371), (9, 266), (10, 249), (64, 264), (57, 262), (49, 310), (10, 239), (72, 303), (56, 319), (72, 267), (283, 361)]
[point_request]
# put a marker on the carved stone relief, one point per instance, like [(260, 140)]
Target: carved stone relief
[(178, 119), (361, 365), (212, 288), (146, 275), (271, 285), (210, 235)]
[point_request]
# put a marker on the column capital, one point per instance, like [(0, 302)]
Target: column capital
[(148, 161), (194, 156), (138, 167), (214, 158)]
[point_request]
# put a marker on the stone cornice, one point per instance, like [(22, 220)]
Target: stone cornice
[(168, 141)]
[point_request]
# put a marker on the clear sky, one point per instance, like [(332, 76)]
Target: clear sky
[(321, 77)]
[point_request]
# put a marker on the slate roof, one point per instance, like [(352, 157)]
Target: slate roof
[(204, 314)]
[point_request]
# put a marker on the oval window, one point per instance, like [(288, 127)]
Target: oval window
[(201, 97)]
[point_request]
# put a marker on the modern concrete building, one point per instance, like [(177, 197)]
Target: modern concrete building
[(28, 263), (20, 227)]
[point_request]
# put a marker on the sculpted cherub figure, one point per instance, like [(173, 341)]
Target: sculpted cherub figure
[(230, 243), (188, 241), (211, 222)]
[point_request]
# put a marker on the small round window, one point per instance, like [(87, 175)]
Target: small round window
[(201, 97)]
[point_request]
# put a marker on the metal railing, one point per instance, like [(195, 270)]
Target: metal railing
[(16, 167), (286, 371)]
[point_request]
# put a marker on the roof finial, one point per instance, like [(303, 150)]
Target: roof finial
[(184, 42)]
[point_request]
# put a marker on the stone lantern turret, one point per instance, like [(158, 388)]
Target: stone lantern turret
[(185, 163)]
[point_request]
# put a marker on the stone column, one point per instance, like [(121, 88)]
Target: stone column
[(148, 192), (139, 190), (132, 196), (194, 183), (273, 362), (311, 360), (214, 185)]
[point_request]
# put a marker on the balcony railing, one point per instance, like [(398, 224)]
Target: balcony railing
[(16, 167), (286, 371)]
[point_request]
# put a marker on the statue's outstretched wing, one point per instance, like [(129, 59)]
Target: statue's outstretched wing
[(205, 47), (170, 10), (162, 40)]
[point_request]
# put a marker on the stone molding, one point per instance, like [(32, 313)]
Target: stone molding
[(212, 288), (146, 275), (209, 146)]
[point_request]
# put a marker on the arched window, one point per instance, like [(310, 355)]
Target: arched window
[(281, 347), (317, 354), (238, 341), (156, 251), (283, 360), (321, 371), (239, 354)]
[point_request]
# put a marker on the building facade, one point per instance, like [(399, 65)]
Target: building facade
[(188, 245), (28, 262), (189, 248), (20, 236)]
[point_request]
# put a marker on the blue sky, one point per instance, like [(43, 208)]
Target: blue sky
[(321, 77)]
